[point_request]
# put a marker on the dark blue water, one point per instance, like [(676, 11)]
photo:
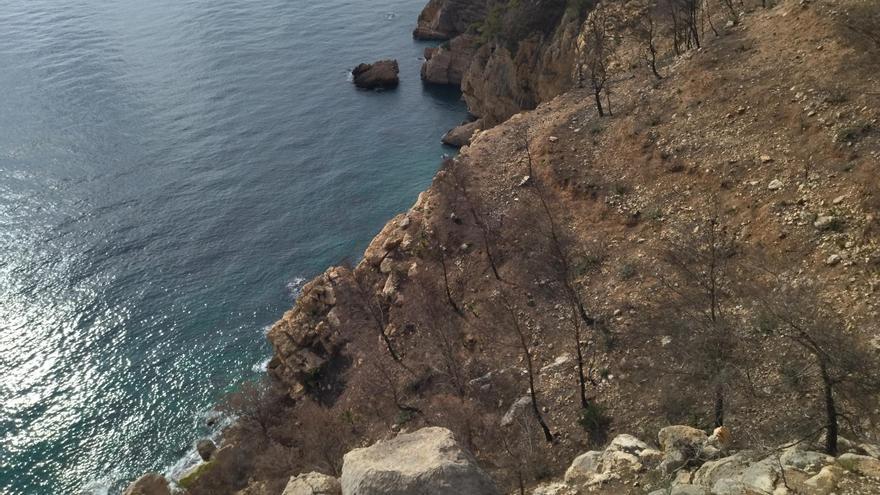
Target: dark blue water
[(170, 170)]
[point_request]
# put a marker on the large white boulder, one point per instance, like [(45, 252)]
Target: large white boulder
[(426, 461)]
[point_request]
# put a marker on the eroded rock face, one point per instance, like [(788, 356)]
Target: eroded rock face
[(426, 461), (448, 63), (500, 82), (306, 338), (312, 484), (378, 75), (462, 135), (149, 484), (444, 19)]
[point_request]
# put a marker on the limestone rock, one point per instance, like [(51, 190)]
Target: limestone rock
[(426, 461), (444, 19), (515, 409), (731, 467), (687, 490), (312, 484), (553, 489), (149, 484), (825, 222), (826, 481), (761, 476), (378, 75), (461, 135), (680, 437), (804, 460), (584, 467), (860, 464), (447, 64)]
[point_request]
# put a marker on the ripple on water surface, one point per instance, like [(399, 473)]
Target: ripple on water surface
[(170, 174)]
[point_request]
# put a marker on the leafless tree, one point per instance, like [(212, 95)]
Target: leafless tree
[(646, 31), (578, 313), (506, 305), (596, 51), (846, 372), (696, 306), (255, 404), (487, 234)]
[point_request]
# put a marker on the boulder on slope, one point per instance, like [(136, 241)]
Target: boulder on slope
[(425, 461)]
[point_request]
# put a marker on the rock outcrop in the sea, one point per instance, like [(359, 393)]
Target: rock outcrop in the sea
[(426, 461), (378, 75), (149, 484), (448, 63), (306, 338), (462, 134), (206, 449), (505, 57)]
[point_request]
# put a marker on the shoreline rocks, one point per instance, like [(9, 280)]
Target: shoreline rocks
[(149, 484), (447, 64), (462, 135), (383, 74), (206, 449)]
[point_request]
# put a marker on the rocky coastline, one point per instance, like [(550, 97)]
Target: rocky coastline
[(455, 329)]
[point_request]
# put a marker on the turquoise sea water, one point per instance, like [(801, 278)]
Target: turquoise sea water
[(170, 172)]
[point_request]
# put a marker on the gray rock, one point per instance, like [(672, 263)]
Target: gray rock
[(461, 135), (312, 484), (681, 437), (805, 460), (626, 443), (825, 222), (731, 467), (860, 464), (515, 410), (554, 489), (206, 449), (149, 484), (761, 476), (426, 461), (584, 467), (727, 486), (826, 481), (687, 490)]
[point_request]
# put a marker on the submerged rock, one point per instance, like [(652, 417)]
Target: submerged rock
[(426, 461), (378, 75)]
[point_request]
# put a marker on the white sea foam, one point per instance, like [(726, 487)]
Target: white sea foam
[(295, 286), (262, 366), (191, 459), (97, 487)]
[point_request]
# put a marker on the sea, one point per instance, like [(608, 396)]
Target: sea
[(171, 173)]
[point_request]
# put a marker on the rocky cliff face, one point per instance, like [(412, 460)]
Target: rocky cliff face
[(508, 56), (445, 19), (422, 331)]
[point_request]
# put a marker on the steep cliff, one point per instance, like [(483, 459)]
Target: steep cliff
[(546, 243), (509, 57)]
